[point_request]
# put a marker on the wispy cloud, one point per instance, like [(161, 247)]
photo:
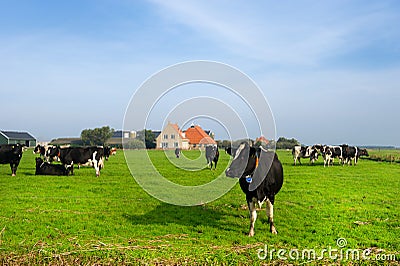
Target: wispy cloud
[(293, 33)]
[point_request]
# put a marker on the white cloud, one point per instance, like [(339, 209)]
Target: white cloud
[(297, 33)]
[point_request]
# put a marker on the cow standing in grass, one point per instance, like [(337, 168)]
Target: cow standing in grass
[(177, 152), (260, 178), (305, 152), (351, 153), (212, 155), (327, 154), (11, 154)]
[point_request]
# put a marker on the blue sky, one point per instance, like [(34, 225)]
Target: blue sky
[(329, 69)]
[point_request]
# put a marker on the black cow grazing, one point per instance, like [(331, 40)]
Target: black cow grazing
[(351, 153), (212, 155), (305, 152), (260, 178), (45, 168), (94, 156), (177, 152), (11, 154)]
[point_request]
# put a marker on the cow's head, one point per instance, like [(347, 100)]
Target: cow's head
[(364, 152), (53, 153), (37, 149), (318, 147), (326, 150), (39, 162), (244, 161), (17, 149), (107, 152)]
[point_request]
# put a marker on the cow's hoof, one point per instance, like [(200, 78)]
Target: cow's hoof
[(251, 234), (273, 230), (13, 175)]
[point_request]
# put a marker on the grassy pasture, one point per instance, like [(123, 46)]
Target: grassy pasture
[(391, 155), (110, 219)]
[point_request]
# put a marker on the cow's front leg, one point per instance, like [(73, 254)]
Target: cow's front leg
[(71, 167), (96, 167), (253, 216), (13, 169), (270, 215)]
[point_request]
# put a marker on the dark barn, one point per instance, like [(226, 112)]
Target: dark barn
[(15, 137)]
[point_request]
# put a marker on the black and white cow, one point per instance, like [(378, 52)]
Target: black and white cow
[(45, 168), (260, 178), (108, 151), (42, 151), (305, 152), (337, 152), (351, 153), (11, 154), (177, 152), (328, 155), (94, 156), (212, 155)]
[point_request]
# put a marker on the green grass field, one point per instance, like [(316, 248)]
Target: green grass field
[(392, 156), (82, 219)]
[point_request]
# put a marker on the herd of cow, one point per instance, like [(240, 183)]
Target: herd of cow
[(259, 171), (344, 153), (93, 156)]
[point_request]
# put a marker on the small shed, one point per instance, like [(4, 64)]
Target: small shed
[(14, 137)]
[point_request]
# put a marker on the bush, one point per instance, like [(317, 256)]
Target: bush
[(135, 144)]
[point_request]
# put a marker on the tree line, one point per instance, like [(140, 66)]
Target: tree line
[(146, 139), (281, 143)]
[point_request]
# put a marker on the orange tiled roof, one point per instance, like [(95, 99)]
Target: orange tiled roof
[(176, 127), (196, 135), (262, 139)]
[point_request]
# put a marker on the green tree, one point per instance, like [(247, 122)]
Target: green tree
[(222, 144), (284, 143), (148, 137), (96, 136)]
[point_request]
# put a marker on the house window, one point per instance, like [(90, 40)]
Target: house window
[(176, 144), (172, 136), (165, 145), (165, 136)]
